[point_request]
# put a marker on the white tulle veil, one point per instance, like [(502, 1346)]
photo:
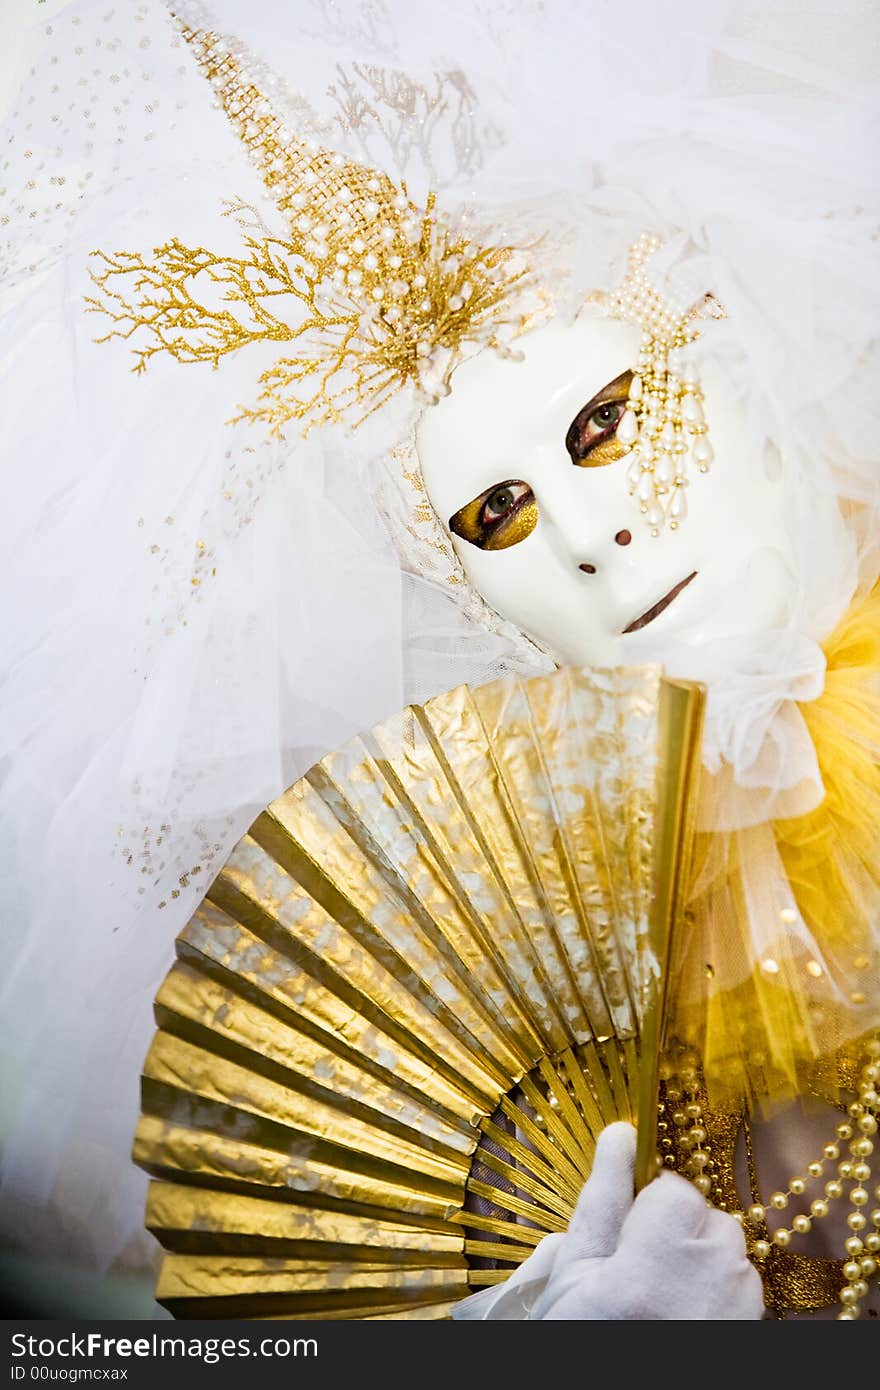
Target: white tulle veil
[(193, 614)]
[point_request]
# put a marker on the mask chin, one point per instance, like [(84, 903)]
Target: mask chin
[(589, 569)]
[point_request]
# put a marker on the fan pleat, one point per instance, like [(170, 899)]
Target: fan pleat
[(432, 897), (419, 1025), (488, 784), (242, 1224), (204, 1013), (384, 930), (272, 1114), (494, 874), (303, 1288), (228, 1165), (248, 969)]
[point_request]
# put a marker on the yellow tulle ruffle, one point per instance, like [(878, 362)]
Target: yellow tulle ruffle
[(779, 973)]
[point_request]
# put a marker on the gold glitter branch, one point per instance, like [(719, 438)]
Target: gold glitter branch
[(161, 297), (358, 354)]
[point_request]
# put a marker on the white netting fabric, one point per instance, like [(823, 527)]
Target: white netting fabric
[(430, 565)]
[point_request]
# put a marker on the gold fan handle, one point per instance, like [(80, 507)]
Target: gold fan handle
[(647, 1156), (682, 706)]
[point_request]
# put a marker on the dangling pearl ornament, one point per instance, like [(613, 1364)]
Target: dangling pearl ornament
[(634, 472), (703, 454), (678, 507), (645, 489), (665, 402), (628, 429), (664, 472)]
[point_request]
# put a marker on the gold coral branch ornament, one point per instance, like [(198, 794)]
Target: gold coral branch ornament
[(375, 292)]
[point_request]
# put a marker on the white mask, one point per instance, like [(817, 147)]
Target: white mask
[(724, 572)]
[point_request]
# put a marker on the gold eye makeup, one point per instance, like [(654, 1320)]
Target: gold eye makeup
[(507, 512), (591, 437), (502, 516)]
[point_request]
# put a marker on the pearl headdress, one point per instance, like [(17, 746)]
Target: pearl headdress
[(389, 294), (373, 292)]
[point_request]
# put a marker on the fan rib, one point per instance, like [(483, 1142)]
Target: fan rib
[(491, 1250), (494, 1225), (557, 1158), (542, 1217), (559, 1177), (581, 1141), (524, 1182), (597, 1078), (611, 1058), (586, 1100), (554, 1124)]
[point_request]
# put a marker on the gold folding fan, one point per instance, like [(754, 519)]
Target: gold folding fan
[(413, 997)]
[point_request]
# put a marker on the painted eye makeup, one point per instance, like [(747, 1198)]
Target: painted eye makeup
[(502, 516), (507, 512), (591, 437)]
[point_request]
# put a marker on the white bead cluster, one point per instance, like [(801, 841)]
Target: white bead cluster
[(664, 422)]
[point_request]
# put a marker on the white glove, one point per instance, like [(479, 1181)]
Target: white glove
[(663, 1255)]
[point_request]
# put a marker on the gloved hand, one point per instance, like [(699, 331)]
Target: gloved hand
[(663, 1255)]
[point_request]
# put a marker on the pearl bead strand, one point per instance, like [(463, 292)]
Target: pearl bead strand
[(858, 1132), (862, 1246)]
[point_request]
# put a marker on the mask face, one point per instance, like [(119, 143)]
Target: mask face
[(523, 466)]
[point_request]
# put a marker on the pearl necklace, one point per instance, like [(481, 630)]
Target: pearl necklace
[(858, 1132)]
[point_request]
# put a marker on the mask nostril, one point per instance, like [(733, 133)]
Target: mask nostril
[(587, 569), (623, 537)]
